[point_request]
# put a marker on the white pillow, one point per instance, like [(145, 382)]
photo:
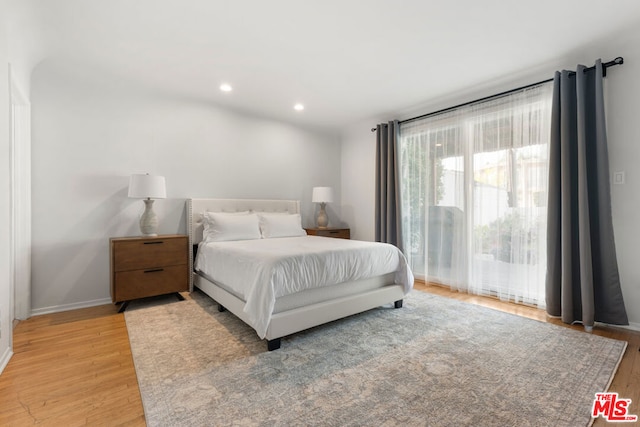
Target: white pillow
[(205, 221), (278, 225), (208, 222), (230, 213), (223, 227)]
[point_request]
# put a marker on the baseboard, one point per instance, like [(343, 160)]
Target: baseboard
[(4, 360), (632, 326), (67, 307)]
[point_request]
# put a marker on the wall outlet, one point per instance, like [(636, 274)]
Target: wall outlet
[(618, 178)]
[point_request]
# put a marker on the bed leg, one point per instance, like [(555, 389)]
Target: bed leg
[(273, 344), (221, 308), (398, 304)]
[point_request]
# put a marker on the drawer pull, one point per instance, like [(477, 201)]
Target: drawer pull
[(155, 242), (334, 232), (154, 270)]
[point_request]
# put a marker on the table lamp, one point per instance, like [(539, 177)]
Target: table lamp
[(322, 195)]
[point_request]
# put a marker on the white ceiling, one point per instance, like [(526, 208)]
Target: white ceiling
[(345, 60)]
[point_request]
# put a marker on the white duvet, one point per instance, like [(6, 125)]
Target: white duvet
[(259, 271)]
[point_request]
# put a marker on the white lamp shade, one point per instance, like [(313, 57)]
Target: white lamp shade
[(322, 195), (147, 186)]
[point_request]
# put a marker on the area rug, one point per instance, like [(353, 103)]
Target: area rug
[(434, 362)]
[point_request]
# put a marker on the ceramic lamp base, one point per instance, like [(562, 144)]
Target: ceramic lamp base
[(323, 219), (148, 220)]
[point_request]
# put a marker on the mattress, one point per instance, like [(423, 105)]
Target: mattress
[(263, 270)]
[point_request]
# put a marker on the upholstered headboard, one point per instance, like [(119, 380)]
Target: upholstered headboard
[(197, 207)]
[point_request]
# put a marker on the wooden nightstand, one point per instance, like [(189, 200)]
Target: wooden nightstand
[(340, 233), (148, 266)]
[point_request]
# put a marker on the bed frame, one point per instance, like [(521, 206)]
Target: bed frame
[(294, 319)]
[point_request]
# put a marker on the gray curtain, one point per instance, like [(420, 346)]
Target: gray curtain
[(387, 185), (582, 283)]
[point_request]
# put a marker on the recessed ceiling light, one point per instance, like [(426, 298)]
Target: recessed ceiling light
[(226, 87), (298, 107)]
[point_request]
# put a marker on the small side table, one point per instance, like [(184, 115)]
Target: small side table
[(340, 233), (148, 266)]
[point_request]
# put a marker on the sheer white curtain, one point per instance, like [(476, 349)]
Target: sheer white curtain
[(473, 184)]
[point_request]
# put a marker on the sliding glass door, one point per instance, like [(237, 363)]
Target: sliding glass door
[(473, 193)]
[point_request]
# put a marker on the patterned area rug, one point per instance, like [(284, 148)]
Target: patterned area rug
[(435, 362)]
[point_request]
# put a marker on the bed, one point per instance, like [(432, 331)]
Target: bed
[(280, 284)]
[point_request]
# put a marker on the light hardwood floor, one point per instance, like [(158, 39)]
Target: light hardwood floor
[(71, 369), (75, 368)]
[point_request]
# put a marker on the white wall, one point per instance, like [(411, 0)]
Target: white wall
[(358, 184), (26, 45), (90, 133), (623, 130), (5, 200), (623, 109)]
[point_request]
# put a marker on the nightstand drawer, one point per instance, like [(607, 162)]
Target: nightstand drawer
[(147, 253), (341, 233), (150, 282)]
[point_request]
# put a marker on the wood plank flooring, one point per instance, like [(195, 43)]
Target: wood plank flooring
[(75, 368), (71, 369)]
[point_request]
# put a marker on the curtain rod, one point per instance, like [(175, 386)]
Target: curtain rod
[(618, 61)]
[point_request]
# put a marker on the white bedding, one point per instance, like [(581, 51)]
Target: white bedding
[(259, 271)]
